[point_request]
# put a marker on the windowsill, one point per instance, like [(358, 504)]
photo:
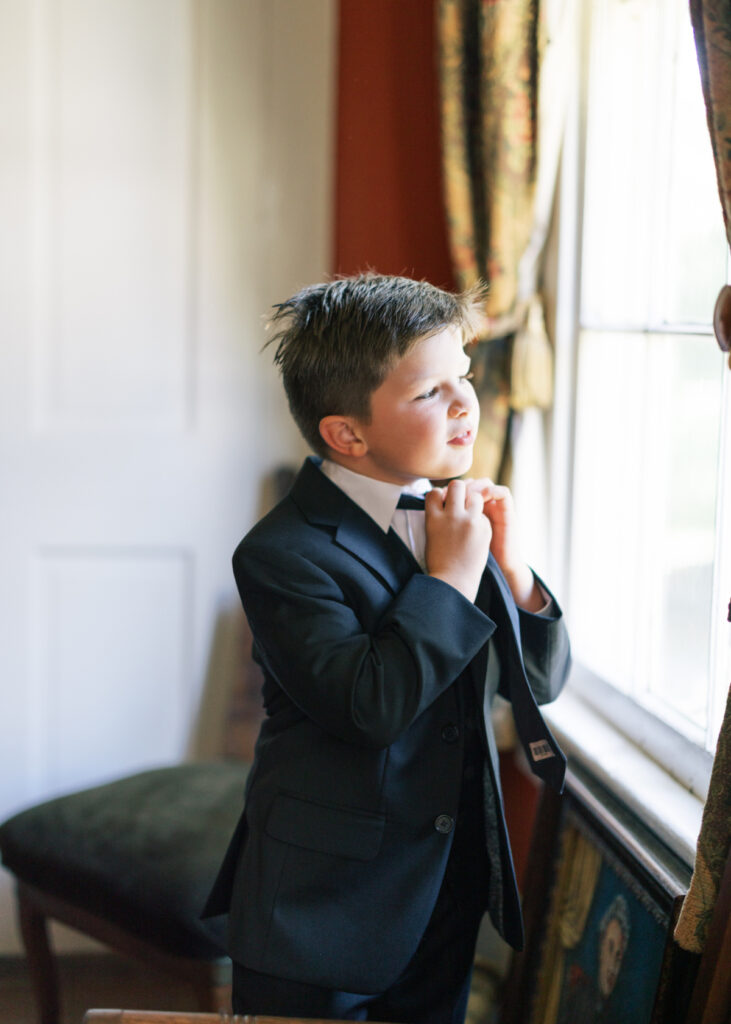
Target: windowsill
[(663, 804)]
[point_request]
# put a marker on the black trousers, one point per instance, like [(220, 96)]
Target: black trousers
[(435, 985)]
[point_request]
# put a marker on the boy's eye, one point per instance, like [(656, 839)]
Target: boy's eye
[(433, 391)]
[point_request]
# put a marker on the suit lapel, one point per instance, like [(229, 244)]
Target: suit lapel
[(324, 504)]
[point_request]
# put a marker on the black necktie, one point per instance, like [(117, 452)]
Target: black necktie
[(411, 501), (545, 757)]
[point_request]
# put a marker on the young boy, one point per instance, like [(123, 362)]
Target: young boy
[(372, 838)]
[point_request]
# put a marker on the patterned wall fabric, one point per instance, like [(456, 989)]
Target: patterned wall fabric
[(712, 28), (490, 52), (713, 848), (489, 72)]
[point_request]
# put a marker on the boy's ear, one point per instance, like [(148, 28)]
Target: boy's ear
[(342, 435)]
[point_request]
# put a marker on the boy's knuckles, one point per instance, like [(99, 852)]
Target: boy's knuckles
[(433, 501)]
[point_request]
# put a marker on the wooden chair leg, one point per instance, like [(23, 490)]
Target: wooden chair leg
[(214, 998), (41, 961)]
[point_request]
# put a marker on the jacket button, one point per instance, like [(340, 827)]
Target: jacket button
[(450, 733), (444, 824)]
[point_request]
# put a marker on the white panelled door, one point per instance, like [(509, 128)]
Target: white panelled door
[(153, 159)]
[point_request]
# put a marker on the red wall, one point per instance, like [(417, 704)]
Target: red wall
[(521, 794), (389, 210)]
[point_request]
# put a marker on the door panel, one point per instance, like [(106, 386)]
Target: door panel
[(153, 158)]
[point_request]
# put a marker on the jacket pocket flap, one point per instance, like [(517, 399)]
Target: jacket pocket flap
[(325, 829)]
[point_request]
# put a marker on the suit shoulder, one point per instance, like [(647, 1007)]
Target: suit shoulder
[(283, 529), (270, 526)]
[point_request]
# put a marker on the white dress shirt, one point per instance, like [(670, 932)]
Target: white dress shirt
[(379, 499)]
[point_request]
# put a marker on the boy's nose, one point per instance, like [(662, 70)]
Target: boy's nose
[(458, 408)]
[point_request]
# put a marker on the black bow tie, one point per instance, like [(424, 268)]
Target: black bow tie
[(411, 501)]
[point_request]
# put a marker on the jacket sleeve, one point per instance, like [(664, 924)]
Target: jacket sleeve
[(544, 645), (546, 649), (362, 685)]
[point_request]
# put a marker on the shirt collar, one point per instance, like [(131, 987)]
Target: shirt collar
[(378, 498)]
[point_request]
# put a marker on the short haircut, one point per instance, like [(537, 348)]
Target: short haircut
[(337, 341)]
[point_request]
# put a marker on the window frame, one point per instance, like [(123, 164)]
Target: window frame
[(682, 759)]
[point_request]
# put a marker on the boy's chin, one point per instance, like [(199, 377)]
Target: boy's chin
[(442, 479), (455, 469)]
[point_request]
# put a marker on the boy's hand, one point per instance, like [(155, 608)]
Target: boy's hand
[(499, 508), (458, 536)]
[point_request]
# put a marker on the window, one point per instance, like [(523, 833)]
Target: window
[(649, 513)]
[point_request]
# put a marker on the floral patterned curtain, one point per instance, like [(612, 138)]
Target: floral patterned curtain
[(714, 842), (499, 195), (712, 28)]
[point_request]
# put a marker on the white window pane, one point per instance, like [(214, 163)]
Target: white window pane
[(605, 543), (685, 413), (654, 243), (695, 247), (643, 534), (621, 136)]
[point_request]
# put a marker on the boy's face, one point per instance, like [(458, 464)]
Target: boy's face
[(424, 416)]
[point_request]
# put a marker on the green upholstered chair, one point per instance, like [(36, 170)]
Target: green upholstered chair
[(129, 863)]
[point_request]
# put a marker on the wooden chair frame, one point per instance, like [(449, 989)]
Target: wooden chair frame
[(210, 979), (150, 1017)]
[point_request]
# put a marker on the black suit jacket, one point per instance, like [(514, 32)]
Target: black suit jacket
[(337, 861)]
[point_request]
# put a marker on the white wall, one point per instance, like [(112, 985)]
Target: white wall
[(165, 173)]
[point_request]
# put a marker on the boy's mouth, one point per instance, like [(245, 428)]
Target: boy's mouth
[(467, 437)]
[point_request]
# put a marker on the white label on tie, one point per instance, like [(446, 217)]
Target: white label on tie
[(540, 750)]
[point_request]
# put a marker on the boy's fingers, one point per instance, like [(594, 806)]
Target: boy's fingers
[(494, 492), (481, 484), (462, 495), (455, 498), (498, 493), (474, 502), (483, 487), (434, 500)]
